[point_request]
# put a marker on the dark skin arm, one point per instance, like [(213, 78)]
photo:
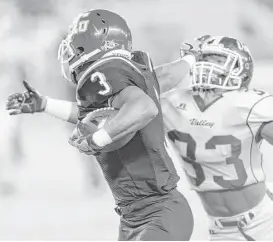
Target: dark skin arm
[(267, 132), (169, 75), (137, 109)]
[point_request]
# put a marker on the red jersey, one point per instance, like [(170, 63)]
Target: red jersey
[(142, 167)]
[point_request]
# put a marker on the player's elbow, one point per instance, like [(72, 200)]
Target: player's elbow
[(149, 108), (266, 132), (170, 75)]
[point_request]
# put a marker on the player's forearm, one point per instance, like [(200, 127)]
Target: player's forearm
[(133, 116), (267, 132), (64, 110), (169, 75)]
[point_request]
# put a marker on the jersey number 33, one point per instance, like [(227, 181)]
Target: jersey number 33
[(233, 159)]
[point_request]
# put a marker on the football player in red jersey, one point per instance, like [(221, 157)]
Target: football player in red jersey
[(96, 55)]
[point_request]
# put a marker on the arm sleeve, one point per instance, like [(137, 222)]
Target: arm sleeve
[(260, 113), (170, 114)]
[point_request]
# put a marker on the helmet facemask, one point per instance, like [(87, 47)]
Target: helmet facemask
[(225, 74), (92, 35), (65, 54), (67, 51)]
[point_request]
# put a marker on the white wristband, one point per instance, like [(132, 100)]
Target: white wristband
[(189, 59), (59, 108), (101, 138)]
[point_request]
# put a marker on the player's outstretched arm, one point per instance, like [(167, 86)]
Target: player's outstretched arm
[(267, 132), (169, 75), (64, 110), (137, 109), (31, 101), (259, 115)]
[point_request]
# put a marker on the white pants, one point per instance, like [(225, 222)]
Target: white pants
[(255, 224)]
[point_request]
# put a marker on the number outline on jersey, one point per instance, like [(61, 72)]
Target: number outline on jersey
[(101, 79), (211, 144), (257, 91), (190, 155)]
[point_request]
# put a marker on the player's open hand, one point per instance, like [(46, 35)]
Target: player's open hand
[(30, 101)]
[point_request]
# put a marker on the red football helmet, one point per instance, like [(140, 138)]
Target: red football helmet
[(225, 63), (90, 37)]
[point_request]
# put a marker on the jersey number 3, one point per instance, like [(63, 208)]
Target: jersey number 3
[(211, 144), (101, 79)]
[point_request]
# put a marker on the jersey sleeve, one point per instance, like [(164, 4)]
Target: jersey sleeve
[(110, 81), (260, 113), (170, 114)]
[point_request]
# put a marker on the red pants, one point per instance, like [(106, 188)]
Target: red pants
[(167, 219)]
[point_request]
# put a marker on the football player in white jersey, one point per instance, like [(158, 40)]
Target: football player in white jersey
[(217, 126)]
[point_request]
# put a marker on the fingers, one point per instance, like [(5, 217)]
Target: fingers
[(18, 103), (14, 102), (75, 135), (16, 97), (81, 144), (83, 129), (80, 140), (186, 46), (15, 111), (203, 38), (28, 87), (14, 105), (71, 142), (14, 108), (76, 143), (84, 147)]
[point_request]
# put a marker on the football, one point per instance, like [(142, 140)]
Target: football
[(97, 119)]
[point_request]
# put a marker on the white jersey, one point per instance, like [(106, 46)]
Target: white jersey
[(219, 145)]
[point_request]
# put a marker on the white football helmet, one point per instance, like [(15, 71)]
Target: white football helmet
[(224, 63)]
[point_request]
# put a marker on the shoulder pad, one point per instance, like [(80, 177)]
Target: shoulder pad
[(246, 98), (255, 94), (143, 59)]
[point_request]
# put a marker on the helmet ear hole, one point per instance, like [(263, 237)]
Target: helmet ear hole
[(91, 35), (80, 50)]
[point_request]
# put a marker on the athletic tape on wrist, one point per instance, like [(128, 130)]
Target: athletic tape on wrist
[(59, 108), (101, 138)]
